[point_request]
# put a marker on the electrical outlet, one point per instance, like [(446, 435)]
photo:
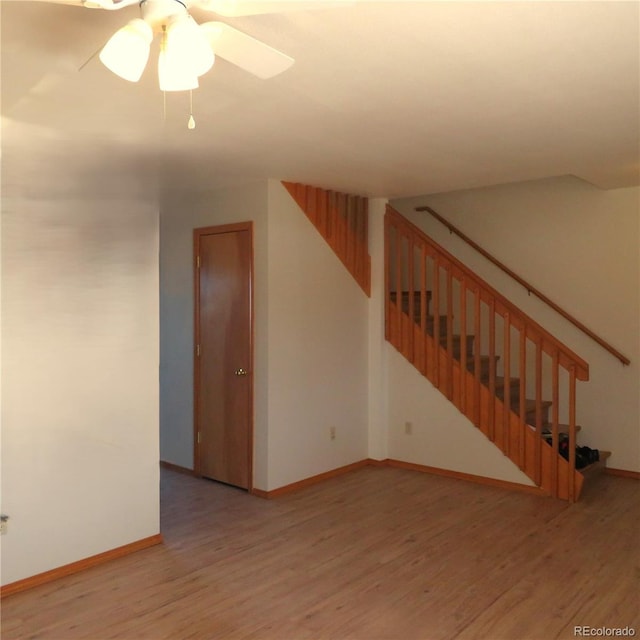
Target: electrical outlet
[(332, 433), (408, 428)]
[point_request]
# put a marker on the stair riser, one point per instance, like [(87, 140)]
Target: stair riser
[(530, 417), (485, 367), (417, 301), (431, 326), (514, 393), (456, 346), (417, 318)]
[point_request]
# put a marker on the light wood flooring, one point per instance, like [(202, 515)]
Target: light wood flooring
[(378, 553)]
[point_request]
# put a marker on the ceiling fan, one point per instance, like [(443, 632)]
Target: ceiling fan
[(188, 49)]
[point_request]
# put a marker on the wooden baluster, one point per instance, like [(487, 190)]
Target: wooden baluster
[(476, 360), (449, 332), (330, 199), (365, 222), (322, 208), (411, 301), (366, 268), (362, 244), (399, 286), (349, 235), (348, 219), (423, 305), (387, 276), (492, 371), (555, 415), (429, 354), (538, 440), (463, 345), (336, 222), (331, 218), (366, 259), (354, 235), (310, 204), (506, 428), (436, 320), (342, 224), (572, 433), (523, 393)]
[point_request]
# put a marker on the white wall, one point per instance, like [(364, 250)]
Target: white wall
[(79, 366), (441, 436), (181, 213), (581, 247), (318, 345)]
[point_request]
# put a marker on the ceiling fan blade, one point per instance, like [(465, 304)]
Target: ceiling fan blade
[(78, 3), (246, 52), (111, 5), (237, 8)]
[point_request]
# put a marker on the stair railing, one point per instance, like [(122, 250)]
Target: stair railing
[(530, 288), (461, 334), (343, 221)]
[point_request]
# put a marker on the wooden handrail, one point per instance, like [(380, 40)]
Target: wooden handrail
[(530, 288), (502, 303)]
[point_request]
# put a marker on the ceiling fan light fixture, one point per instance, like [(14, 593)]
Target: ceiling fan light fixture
[(127, 51), (173, 73), (186, 42)]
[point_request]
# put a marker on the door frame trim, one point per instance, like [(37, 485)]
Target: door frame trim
[(197, 235)]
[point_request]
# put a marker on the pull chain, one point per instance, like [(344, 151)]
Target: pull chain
[(163, 44), (192, 123)]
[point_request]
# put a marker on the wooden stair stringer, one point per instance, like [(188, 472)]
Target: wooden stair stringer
[(343, 221)]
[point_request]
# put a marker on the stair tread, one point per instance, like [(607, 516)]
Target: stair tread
[(562, 427), (500, 382), (595, 467), (456, 340), (482, 358), (530, 405), (416, 293)]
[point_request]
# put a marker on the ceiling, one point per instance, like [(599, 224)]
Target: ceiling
[(385, 99)]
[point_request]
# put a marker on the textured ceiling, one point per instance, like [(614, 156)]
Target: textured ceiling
[(385, 98)]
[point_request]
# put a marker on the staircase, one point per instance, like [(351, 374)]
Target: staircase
[(508, 375)]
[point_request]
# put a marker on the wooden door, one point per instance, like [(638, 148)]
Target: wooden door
[(223, 360)]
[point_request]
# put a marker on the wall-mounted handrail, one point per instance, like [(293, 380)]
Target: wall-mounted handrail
[(530, 288)]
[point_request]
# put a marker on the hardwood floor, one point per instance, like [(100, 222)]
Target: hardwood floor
[(380, 553)]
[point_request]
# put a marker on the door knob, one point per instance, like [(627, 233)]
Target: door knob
[(241, 372)]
